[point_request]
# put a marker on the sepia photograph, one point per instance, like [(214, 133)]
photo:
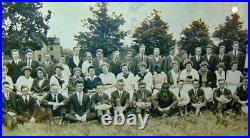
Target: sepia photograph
[(124, 68)]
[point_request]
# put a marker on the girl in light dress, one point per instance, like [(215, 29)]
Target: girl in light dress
[(233, 77)]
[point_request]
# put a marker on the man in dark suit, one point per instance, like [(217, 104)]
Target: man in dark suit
[(223, 98), (142, 100), (224, 58), (169, 59), (141, 57), (98, 61), (30, 62), (28, 108), (156, 59), (241, 96), (55, 102), (15, 65), (197, 97), (115, 63), (79, 105), (100, 102), (120, 99), (8, 106), (75, 60), (210, 58), (197, 58), (48, 65), (235, 55)]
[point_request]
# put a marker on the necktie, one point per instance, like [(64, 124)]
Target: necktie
[(235, 53), (54, 98), (80, 98), (179, 94), (26, 100), (198, 58), (142, 58)]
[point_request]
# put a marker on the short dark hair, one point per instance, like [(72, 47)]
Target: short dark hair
[(91, 67), (24, 86), (79, 81), (195, 80), (180, 80), (6, 82), (98, 84)]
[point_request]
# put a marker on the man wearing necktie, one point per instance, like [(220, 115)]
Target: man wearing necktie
[(197, 97), (15, 65), (100, 102), (79, 105), (142, 100), (120, 99), (27, 106), (235, 55), (8, 106), (241, 96), (182, 97), (222, 98), (31, 63)]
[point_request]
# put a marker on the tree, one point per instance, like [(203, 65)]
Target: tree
[(103, 31), (231, 31), (196, 35), (23, 26), (153, 32)]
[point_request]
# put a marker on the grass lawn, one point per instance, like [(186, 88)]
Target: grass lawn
[(208, 124)]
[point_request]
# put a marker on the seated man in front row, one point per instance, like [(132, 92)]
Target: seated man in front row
[(55, 102), (165, 101), (100, 102), (142, 100), (223, 98), (241, 97), (79, 105), (9, 114), (120, 98), (197, 97)]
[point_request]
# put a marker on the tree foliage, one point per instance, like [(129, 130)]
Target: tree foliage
[(196, 35), (23, 26), (231, 31), (103, 30), (153, 32)]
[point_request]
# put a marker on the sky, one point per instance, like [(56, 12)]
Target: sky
[(66, 18)]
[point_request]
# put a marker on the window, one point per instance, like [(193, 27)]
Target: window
[(51, 48), (39, 58)]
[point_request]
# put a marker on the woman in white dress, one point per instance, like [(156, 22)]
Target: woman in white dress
[(108, 79), (233, 77), (26, 79), (66, 71), (6, 78), (220, 73)]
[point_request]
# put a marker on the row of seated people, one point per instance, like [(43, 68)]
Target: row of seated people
[(81, 107)]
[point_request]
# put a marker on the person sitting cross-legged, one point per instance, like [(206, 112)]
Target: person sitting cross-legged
[(197, 97), (100, 102), (55, 103), (120, 98), (165, 101), (79, 105), (142, 100), (222, 98)]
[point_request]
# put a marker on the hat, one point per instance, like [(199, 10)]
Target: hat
[(26, 68), (189, 62), (76, 69), (59, 66), (203, 63), (41, 69)]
